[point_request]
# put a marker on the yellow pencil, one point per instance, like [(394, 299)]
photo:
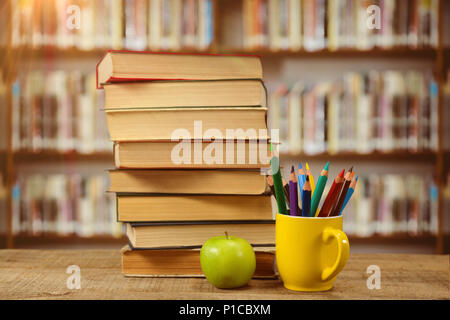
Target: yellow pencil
[(311, 179)]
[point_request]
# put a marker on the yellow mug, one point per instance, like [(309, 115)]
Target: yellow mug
[(310, 251)]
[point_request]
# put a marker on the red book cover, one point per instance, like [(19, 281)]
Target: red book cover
[(116, 79)]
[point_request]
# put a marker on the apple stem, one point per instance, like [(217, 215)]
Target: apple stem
[(226, 235)]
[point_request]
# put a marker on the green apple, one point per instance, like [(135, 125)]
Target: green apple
[(227, 261)]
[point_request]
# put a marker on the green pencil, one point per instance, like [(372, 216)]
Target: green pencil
[(319, 190), (278, 185)]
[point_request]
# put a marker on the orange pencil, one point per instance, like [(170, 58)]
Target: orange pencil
[(334, 192), (272, 188)]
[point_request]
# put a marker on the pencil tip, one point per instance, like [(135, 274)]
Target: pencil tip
[(342, 173), (306, 165), (351, 169), (326, 166), (292, 169), (307, 177), (299, 165), (356, 178)]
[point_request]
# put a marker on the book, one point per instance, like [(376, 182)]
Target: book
[(190, 154), (188, 181), (183, 263), (171, 94), (185, 123), (134, 65), (136, 24), (192, 235), (4, 115), (197, 207), (3, 206)]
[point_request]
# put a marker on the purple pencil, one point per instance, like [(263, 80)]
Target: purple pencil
[(293, 196)]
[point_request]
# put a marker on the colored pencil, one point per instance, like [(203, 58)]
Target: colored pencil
[(270, 183), (321, 182), (301, 179), (350, 191), (347, 180), (293, 195), (330, 200), (286, 190), (311, 178), (306, 198), (278, 185)]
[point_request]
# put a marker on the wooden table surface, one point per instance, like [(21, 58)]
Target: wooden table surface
[(41, 274)]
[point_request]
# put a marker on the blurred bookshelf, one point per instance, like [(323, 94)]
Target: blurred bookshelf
[(35, 41)]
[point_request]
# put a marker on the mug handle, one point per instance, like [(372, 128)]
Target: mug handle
[(342, 255)]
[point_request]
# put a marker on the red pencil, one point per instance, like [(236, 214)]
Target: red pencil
[(340, 199), (333, 194)]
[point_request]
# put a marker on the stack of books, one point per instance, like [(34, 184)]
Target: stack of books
[(190, 140)]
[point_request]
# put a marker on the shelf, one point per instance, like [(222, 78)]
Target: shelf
[(3, 241), (373, 156), (24, 239), (98, 238), (25, 156), (400, 52), (73, 53), (399, 237)]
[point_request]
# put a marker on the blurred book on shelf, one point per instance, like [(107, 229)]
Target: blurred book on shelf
[(4, 22), (446, 206), (58, 111), (393, 204), (319, 24), (362, 112), (446, 113), (3, 199), (113, 24), (3, 114), (64, 204), (446, 24)]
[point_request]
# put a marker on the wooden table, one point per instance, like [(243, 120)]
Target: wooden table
[(41, 274)]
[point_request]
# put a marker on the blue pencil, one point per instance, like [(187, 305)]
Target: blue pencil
[(301, 180), (306, 211), (350, 191), (293, 196)]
